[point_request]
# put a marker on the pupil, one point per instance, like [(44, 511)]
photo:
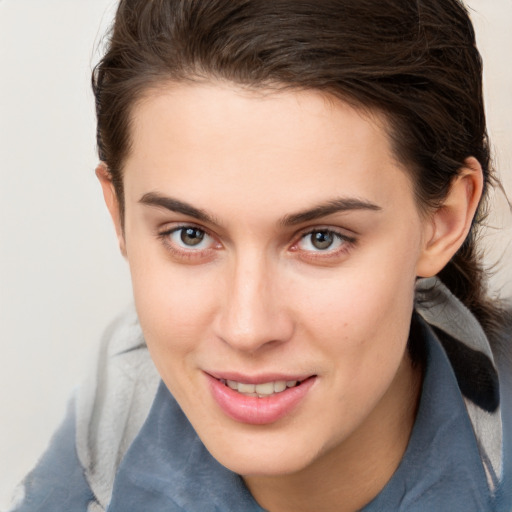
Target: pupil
[(322, 239), (191, 236)]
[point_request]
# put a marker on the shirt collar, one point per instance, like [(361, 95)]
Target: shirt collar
[(167, 468)]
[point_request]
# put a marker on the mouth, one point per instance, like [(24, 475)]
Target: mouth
[(263, 401), (263, 390)]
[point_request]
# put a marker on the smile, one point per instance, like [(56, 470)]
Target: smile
[(259, 403), (260, 390)]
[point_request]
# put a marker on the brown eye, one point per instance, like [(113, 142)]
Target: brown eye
[(322, 239), (191, 236)]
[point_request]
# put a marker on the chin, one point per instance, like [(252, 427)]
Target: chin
[(264, 454), (266, 465)]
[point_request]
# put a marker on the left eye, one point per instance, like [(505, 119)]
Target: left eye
[(190, 237), (321, 240)]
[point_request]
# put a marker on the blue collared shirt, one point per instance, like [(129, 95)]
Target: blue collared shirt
[(168, 469)]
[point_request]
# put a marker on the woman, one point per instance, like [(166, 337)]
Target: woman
[(296, 186)]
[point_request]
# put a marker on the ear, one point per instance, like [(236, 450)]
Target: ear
[(447, 227), (112, 202)]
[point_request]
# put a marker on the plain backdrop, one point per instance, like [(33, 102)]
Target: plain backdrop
[(61, 277)]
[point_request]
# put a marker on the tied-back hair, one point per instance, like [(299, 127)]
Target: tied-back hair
[(414, 61)]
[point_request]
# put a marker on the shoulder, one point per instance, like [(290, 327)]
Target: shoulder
[(482, 366), (57, 484), (502, 348), (114, 402), (77, 472)]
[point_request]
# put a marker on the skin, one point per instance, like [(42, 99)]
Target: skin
[(256, 296)]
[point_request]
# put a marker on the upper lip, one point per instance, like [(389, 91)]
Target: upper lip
[(259, 378)]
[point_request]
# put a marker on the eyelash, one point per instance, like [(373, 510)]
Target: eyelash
[(346, 243), (187, 253)]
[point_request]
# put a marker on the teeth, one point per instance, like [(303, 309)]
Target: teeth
[(279, 386), (260, 390), (265, 389), (246, 388)]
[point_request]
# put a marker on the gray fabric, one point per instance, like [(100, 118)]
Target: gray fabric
[(448, 313), (445, 311), (113, 404), (503, 354), (113, 410), (168, 469)]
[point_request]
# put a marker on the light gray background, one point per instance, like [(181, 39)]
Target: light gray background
[(61, 277)]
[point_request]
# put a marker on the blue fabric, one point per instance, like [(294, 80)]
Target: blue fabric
[(57, 484), (168, 469), (441, 469), (504, 494)]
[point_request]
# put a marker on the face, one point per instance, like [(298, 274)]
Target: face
[(273, 242)]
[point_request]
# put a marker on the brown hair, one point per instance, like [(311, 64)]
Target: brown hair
[(414, 60)]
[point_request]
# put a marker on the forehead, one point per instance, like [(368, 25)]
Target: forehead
[(202, 139)]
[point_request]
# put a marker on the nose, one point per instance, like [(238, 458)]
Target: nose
[(254, 312)]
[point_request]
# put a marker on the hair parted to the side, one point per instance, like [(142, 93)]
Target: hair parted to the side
[(413, 60)]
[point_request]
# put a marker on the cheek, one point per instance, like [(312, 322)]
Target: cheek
[(175, 316), (174, 304), (360, 320), (359, 301)]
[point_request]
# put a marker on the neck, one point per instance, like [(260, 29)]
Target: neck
[(350, 475)]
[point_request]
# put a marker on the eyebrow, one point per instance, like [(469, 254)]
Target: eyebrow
[(175, 205), (319, 211), (329, 208)]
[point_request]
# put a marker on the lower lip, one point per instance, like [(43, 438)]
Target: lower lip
[(258, 411)]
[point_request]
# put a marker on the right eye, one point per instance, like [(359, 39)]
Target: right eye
[(188, 238)]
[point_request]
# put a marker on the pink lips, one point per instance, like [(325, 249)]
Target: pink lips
[(258, 411)]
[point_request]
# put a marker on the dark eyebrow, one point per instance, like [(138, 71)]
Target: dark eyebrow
[(322, 210), (174, 205), (328, 208)]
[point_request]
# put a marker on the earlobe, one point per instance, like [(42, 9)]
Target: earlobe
[(449, 225), (112, 202)]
